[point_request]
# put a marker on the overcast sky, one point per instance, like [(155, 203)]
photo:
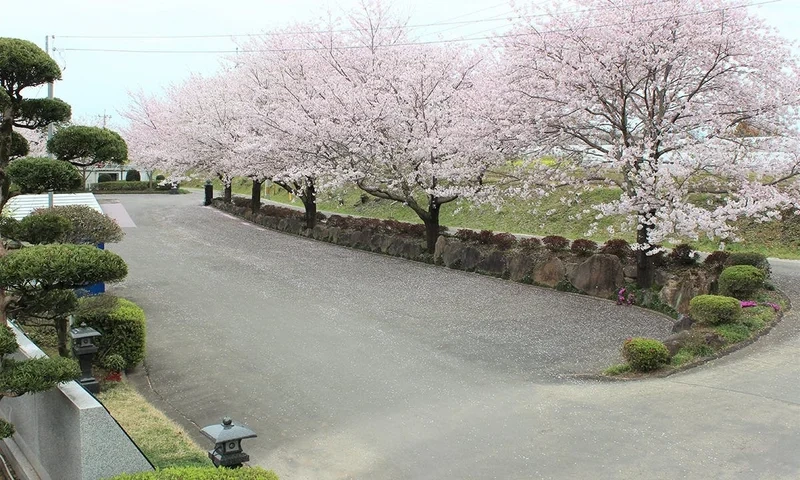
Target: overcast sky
[(96, 83)]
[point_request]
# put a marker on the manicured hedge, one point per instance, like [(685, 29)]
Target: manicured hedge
[(644, 354), (714, 309), (741, 281), (121, 322), (202, 473), (111, 186)]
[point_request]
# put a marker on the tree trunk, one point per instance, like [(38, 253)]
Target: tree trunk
[(6, 129), (62, 325), (645, 270), (84, 177), (309, 199), (255, 199), (432, 225), (227, 193)]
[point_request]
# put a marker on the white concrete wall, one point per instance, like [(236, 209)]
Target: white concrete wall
[(65, 433)]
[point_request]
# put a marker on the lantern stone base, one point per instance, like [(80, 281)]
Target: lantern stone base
[(90, 384), (230, 460)]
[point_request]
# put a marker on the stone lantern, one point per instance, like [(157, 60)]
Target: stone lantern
[(227, 437), (83, 347)]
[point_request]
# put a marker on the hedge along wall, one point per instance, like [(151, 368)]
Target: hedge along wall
[(599, 275)]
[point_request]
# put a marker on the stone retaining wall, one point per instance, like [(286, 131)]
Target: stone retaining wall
[(598, 275)]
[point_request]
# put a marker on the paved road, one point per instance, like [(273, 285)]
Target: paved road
[(352, 365)]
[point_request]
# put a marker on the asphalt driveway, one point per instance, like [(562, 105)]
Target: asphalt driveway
[(354, 365)]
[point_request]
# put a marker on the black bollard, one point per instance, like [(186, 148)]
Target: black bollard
[(209, 192)]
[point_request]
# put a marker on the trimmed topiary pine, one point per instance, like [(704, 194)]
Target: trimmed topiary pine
[(38, 175), (645, 354), (741, 281), (714, 309)]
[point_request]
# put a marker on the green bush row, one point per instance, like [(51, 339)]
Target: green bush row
[(121, 323), (202, 473), (132, 185)]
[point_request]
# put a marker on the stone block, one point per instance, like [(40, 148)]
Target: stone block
[(550, 272), (600, 276)]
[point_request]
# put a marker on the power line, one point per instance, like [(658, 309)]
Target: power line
[(406, 44), (496, 18)]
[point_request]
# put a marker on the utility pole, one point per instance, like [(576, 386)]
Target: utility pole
[(49, 84), (104, 117)]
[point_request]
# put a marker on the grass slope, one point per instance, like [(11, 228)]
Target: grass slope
[(162, 441), (551, 217)]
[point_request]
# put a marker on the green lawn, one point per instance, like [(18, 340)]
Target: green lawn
[(162, 441), (551, 217)]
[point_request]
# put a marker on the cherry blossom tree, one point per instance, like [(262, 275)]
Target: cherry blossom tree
[(409, 123), (151, 135), (650, 97), (289, 113)]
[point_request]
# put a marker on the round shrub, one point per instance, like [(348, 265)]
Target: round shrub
[(714, 309), (504, 241), (45, 228), (121, 322), (741, 281), (555, 243), (485, 237), (38, 175), (618, 247), (644, 354), (683, 254), (583, 246), (114, 362), (750, 258), (466, 235), (133, 176), (531, 243), (160, 178), (104, 177), (88, 225)]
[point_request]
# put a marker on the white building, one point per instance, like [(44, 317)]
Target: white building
[(117, 172)]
